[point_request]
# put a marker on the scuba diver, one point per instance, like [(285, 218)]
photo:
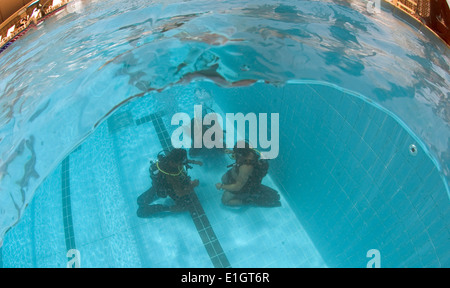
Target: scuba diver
[(169, 178), (242, 183)]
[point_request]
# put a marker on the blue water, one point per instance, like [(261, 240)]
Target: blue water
[(352, 93)]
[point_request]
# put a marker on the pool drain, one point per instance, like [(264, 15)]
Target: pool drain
[(413, 150)]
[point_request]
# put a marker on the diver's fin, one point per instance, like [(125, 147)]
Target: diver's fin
[(267, 197)]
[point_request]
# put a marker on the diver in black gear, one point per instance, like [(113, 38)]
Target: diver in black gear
[(169, 178), (242, 183)]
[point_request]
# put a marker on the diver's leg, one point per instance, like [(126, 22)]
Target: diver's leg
[(230, 199), (182, 204), (147, 197)]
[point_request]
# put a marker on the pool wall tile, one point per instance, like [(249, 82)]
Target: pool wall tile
[(348, 171)]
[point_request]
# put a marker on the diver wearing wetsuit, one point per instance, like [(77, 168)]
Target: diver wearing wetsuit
[(169, 178), (242, 183)]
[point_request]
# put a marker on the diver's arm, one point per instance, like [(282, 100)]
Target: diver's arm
[(244, 173), (195, 162)]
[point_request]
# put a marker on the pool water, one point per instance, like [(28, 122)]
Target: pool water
[(116, 162), (83, 117)]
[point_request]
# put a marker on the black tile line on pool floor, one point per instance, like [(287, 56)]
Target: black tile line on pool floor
[(67, 206), (67, 210), (201, 222)]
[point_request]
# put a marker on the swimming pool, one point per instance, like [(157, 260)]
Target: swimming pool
[(363, 139)]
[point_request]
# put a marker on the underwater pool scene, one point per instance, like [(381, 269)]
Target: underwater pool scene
[(87, 100)]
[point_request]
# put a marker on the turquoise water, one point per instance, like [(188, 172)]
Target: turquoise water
[(80, 94)]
